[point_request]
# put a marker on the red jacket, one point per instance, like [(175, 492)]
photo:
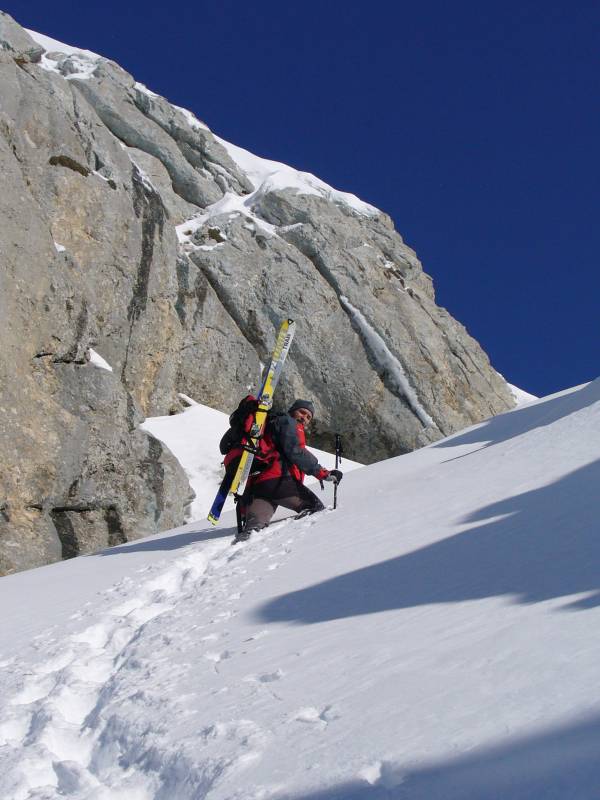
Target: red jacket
[(282, 451)]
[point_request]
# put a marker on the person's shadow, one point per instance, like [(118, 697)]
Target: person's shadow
[(192, 533), (172, 541)]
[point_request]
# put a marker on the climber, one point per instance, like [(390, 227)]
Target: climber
[(279, 468)]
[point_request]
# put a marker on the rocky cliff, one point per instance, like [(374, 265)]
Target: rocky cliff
[(128, 228)]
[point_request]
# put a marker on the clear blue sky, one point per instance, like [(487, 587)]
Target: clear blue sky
[(475, 125)]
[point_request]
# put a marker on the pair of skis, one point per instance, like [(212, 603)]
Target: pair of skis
[(234, 482)]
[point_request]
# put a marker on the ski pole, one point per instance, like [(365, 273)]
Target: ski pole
[(338, 461)]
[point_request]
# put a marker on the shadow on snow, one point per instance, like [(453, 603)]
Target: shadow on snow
[(521, 420), (559, 764), (545, 545), (173, 541)]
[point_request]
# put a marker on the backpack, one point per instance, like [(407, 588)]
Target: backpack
[(240, 422)]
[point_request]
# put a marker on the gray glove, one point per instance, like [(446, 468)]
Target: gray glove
[(335, 476)]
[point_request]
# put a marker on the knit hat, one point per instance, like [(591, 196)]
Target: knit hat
[(302, 404)]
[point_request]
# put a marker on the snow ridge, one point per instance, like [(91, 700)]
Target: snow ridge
[(521, 396), (82, 62), (266, 175)]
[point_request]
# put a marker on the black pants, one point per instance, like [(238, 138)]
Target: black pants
[(267, 495)]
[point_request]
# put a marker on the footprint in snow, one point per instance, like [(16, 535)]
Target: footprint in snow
[(382, 773), (224, 615), (96, 636), (55, 662), (216, 658), (266, 677), (313, 716), (247, 733), (212, 637), (75, 701), (14, 728), (124, 609), (33, 690), (371, 773)]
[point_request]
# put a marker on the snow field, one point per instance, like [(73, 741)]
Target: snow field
[(431, 639), (72, 725), (57, 714)]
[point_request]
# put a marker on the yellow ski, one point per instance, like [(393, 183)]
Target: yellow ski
[(265, 401)]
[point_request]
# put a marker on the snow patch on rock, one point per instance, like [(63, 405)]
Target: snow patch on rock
[(387, 361), (81, 63), (97, 361), (231, 204), (192, 119), (267, 176), (521, 397)]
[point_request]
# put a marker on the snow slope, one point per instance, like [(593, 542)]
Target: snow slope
[(521, 397), (432, 639)]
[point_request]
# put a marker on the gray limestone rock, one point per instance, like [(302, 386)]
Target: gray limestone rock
[(73, 459), (17, 42), (196, 143), (110, 239), (114, 106)]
